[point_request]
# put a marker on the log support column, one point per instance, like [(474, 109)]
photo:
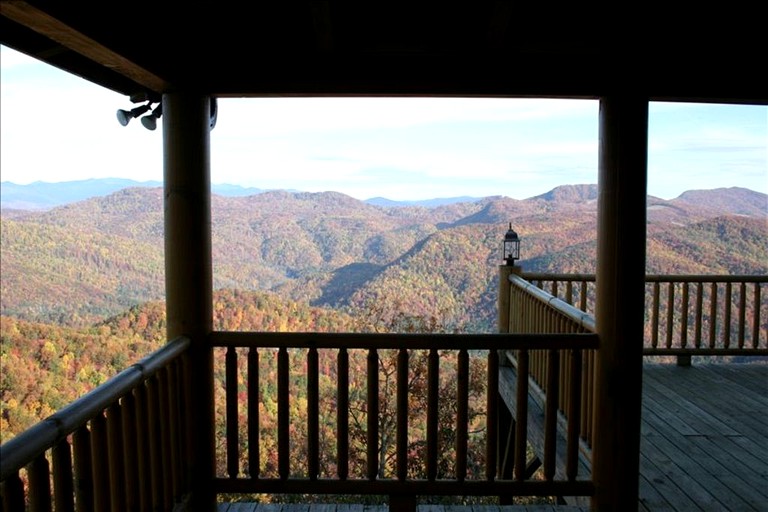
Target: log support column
[(622, 183), (188, 276)]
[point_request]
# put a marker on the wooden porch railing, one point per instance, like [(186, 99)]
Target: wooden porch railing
[(244, 474), (122, 446), (724, 315), (560, 389), (119, 447)]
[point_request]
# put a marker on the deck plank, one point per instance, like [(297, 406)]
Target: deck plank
[(693, 478), (704, 436), (734, 416), (700, 456)]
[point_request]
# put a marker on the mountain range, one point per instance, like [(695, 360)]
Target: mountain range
[(82, 262), (42, 195)]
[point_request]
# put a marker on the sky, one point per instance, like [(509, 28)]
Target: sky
[(398, 148)]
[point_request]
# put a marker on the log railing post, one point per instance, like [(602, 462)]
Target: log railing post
[(188, 275), (619, 318), (503, 299)]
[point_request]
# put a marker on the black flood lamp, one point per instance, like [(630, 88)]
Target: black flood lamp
[(124, 116), (150, 120)]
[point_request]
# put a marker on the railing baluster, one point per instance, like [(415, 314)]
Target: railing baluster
[(100, 465), (563, 380), (684, 318), (462, 414), (165, 436), (574, 410), (655, 316), (254, 464), (185, 415), (699, 314), (585, 389), (81, 446), (550, 418), (342, 414), (39, 484), (174, 430), (143, 447), (727, 315), (402, 414), (756, 319), (373, 415), (155, 460), (492, 416), (583, 300), (116, 459), (713, 317), (670, 313), (521, 430), (63, 490), (233, 448), (742, 312), (283, 398), (130, 452), (433, 381), (13, 493), (313, 413)]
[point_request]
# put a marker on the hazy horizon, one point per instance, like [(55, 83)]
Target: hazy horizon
[(402, 149)]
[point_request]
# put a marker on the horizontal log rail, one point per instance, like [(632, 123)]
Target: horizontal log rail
[(391, 341), (718, 315), (368, 380), (117, 447)]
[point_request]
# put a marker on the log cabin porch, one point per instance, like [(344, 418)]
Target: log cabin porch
[(146, 439)]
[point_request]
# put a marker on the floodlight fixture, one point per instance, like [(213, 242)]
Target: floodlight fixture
[(125, 116), (150, 120)]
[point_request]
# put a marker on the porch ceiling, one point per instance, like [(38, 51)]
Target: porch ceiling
[(464, 48)]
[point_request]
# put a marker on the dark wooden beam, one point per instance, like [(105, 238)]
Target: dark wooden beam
[(54, 29)]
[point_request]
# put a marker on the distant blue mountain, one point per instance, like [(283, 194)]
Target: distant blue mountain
[(42, 195), (428, 203)]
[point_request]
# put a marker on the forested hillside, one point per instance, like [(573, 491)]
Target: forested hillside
[(80, 263)]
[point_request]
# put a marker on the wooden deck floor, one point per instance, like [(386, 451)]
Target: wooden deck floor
[(704, 442), (704, 445), (252, 507)]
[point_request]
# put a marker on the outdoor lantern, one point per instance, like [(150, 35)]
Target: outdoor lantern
[(511, 249)]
